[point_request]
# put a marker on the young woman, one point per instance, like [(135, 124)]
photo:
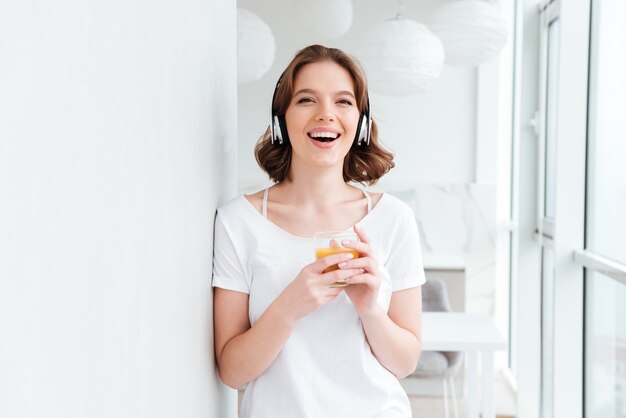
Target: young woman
[(298, 345)]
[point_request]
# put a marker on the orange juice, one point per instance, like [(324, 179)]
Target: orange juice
[(323, 252)]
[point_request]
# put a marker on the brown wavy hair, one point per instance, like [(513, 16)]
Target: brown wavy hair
[(364, 163)]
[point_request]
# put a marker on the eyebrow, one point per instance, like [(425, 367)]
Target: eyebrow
[(311, 91)]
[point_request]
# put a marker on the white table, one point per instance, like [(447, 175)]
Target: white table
[(472, 333)]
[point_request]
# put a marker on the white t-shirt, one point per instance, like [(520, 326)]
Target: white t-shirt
[(326, 368)]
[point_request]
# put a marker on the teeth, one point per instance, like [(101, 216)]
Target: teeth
[(331, 135)]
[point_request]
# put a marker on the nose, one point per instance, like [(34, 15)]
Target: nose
[(326, 112)]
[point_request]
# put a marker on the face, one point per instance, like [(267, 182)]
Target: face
[(322, 116)]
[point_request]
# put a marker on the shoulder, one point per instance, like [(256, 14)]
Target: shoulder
[(390, 218), (241, 209), (375, 198), (255, 199), (233, 209), (394, 217), (236, 218), (394, 206)]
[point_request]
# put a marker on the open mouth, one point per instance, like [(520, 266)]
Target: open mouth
[(324, 136)]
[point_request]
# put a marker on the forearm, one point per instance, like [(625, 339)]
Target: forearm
[(396, 348), (247, 356)]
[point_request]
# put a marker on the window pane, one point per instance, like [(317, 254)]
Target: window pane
[(605, 351), (551, 118), (606, 224), (605, 298)]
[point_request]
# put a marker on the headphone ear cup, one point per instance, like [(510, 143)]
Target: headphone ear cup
[(362, 132), (277, 135), (282, 128)]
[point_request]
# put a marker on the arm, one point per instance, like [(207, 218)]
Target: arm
[(395, 338), (244, 352)]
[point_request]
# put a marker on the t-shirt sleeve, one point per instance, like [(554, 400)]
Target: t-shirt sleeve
[(405, 265), (228, 271)]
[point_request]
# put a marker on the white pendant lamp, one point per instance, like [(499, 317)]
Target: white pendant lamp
[(401, 57), (256, 47), (472, 31), (324, 19)]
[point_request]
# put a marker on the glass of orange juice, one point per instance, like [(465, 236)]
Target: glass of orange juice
[(329, 242)]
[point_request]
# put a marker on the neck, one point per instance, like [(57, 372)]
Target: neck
[(318, 187)]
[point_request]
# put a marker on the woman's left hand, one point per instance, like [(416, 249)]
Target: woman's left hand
[(363, 288)]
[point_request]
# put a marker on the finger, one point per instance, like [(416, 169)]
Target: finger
[(330, 260), (363, 262), (341, 275), (362, 235), (361, 247), (364, 278), (335, 291), (329, 292)]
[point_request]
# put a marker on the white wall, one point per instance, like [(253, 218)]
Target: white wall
[(433, 135), (113, 122)]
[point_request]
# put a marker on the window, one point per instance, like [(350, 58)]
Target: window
[(605, 254)]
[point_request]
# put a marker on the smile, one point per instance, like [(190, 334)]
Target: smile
[(324, 136)]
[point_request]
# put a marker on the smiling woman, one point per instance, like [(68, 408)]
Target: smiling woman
[(300, 345)]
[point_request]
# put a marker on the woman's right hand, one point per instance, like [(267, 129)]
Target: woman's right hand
[(312, 288)]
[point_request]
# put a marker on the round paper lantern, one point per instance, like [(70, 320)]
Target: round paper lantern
[(256, 47), (472, 31), (401, 57), (324, 19)]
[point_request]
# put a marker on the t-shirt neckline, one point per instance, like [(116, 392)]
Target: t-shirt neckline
[(287, 233)]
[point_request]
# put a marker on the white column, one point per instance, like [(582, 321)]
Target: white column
[(113, 119)]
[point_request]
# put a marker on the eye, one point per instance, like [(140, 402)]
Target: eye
[(345, 102), (304, 100)]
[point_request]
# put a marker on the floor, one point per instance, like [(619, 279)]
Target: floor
[(432, 407)]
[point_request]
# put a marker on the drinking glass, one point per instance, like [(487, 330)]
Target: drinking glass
[(329, 242)]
